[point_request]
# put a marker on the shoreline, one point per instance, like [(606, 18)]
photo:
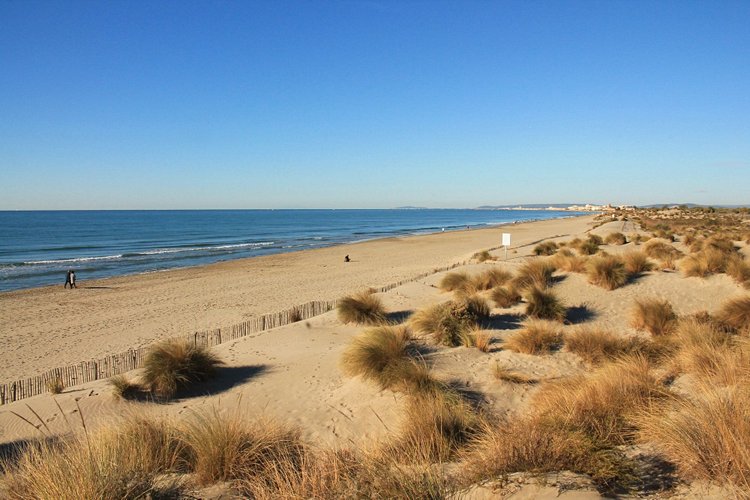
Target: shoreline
[(122, 271), (48, 327)]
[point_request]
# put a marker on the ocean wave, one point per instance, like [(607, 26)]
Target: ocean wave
[(71, 261)]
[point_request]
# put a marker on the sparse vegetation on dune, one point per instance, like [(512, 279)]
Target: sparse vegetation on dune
[(636, 263), (534, 273), (545, 248), (117, 462), (615, 239), (448, 323), (544, 304), (514, 377), (661, 249), (505, 296), (122, 387), (597, 346), (174, 364), (455, 281), (477, 338), (379, 354), (490, 278), (739, 270), (569, 262), (363, 308), (654, 316), (707, 435), (589, 246), (483, 256), (536, 337), (607, 272), (734, 314)]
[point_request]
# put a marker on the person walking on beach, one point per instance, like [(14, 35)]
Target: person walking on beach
[(70, 279)]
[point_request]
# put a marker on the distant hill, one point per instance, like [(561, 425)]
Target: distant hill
[(409, 207)]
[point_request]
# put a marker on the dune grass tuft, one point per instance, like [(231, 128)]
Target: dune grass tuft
[(477, 338), (362, 308), (707, 435), (597, 346), (173, 364), (455, 281), (734, 314), (569, 262), (505, 296), (55, 385), (225, 446), (545, 248), (636, 263), (739, 270), (654, 316), (448, 323), (379, 354), (615, 239), (544, 304), (607, 272), (490, 278), (114, 462), (483, 256), (534, 273), (507, 375), (122, 387), (536, 337)]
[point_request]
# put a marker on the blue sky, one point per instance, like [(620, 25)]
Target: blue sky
[(372, 104)]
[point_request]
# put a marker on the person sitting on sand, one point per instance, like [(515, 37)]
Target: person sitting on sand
[(347, 259), (67, 279)]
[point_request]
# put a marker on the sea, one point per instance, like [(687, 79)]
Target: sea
[(38, 247)]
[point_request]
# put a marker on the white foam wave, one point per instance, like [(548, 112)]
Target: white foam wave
[(70, 261)]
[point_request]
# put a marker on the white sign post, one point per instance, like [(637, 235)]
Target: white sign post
[(506, 243)]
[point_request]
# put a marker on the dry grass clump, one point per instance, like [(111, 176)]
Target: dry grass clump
[(655, 316), (569, 262), (455, 281), (545, 248), (707, 261), (173, 364), (226, 446), (536, 337), (739, 270), (122, 387), (435, 426), (661, 250), (450, 322), (483, 256), (116, 462), (603, 403), (379, 354), (615, 239), (544, 304), (55, 385), (477, 338), (636, 263), (505, 296), (512, 376), (589, 246), (362, 308), (575, 424), (707, 435), (491, 278), (534, 273), (596, 346), (536, 445), (607, 272), (734, 314)]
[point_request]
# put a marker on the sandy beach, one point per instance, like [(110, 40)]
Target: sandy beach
[(49, 327)]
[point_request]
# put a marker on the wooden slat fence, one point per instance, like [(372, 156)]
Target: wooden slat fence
[(115, 364)]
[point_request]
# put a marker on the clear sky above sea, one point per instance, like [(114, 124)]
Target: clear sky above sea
[(372, 104)]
